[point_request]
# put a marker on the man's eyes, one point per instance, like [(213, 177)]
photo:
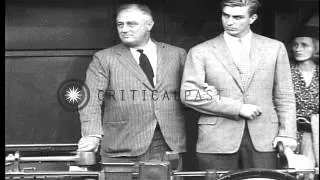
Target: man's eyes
[(130, 24), (225, 15), (234, 17)]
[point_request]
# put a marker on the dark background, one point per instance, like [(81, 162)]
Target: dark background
[(48, 42)]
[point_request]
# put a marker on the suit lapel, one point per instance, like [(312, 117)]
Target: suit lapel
[(224, 55), (256, 52), (128, 61), (162, 63)]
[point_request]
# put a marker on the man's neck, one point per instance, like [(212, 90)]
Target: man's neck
[(143, 44), (244, 34), (240, 36)]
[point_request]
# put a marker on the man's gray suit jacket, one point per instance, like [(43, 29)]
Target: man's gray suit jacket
[(131, 106), (210, 65)]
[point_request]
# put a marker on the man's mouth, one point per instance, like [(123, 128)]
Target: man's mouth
[(230, 29), (126, 36)]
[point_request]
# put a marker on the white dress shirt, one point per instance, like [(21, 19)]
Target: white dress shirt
[(150, 50), (234, 45)]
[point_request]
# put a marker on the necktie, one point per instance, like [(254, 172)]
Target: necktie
[(146, 66), (244, 64)]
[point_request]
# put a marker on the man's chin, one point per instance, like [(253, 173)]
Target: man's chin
[(232, 33), (128, 43)]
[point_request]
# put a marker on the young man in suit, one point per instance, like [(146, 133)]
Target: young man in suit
[(241, 83), (138, 81)]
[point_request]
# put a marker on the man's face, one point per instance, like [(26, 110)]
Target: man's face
[(134, 27), (236, 20)]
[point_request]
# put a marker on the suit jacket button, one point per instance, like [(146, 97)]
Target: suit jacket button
[(156, 112)]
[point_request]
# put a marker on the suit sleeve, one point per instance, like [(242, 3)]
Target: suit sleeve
[(97, 81), (183, 58), (197, 94), (283, 95)]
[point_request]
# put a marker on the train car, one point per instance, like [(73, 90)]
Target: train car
[(49, 45)]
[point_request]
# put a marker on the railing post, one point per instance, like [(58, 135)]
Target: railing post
[(118, 171), (154, 170), (211, 174)]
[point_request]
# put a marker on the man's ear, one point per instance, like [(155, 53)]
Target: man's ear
[(253, 18), (149, 24)]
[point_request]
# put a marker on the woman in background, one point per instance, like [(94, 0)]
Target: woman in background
[(305, 74)]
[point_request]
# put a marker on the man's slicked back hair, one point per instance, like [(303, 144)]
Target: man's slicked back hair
[(253, 5), (142, 7)]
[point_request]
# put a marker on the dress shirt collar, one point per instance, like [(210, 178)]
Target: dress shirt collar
[(149, 47), (236, 47), (246, 39), (150, 50)]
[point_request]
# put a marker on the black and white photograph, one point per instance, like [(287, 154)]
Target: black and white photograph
[(162, 89)]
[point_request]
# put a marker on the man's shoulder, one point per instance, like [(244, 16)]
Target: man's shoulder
[(266, 39), (109, 50), (212, 41), (207, 44), (170, 47)]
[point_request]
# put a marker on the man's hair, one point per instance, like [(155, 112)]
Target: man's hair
[(142, 7), (254, 5)]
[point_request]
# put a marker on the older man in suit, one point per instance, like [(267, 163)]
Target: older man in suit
[(241, 83), (137, 83)]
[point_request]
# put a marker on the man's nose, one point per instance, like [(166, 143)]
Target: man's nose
[(124, 28), (230, 21)]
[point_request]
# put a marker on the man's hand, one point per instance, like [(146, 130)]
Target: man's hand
[(250, 111), (286, 141), (89, 143)]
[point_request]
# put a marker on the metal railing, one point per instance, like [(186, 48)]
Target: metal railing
[(160, 170)]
